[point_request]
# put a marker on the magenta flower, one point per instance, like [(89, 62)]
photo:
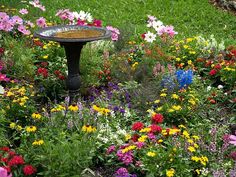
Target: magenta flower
[(3, 77), (232, 139), (3, 172), (23, 11), (114, 33), (65, 14), (41, 22)]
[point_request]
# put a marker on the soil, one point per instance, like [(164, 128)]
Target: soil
[(226, 5), (73, 34)]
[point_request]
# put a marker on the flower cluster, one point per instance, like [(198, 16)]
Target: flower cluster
[(184, 78), (10, 162), (37, 4), (160, 29)]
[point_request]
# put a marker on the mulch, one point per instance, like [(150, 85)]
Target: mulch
[(225, 7)]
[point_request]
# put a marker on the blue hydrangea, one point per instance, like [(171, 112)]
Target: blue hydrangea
[(184, 78)]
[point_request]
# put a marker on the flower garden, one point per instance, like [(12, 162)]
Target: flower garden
[(150, 104)]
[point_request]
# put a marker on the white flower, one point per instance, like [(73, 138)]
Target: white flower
[(157, 24), (150, 37), (82, 15), (89, 18), (76, 15), (2, 90), (208, 88), (226, 93), (220, 86)]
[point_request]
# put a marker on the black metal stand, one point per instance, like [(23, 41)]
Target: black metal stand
[(73, 83)]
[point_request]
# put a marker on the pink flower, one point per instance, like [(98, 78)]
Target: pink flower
[(232, 139), (22, 29), (3, 172), (3, 77), (41, 22), (23, 11), (17, 20), (81, 22), (37, 4), (3, 16), (97, 23), (114, 33), (64, 14)]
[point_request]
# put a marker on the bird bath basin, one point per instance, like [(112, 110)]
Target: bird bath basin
[(73, 38)]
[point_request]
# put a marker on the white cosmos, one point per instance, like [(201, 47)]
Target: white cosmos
[(150, 37)]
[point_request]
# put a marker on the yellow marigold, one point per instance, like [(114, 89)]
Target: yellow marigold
[(151, 154), (36, 116), (174, 96), (30, 129), (170, 172), (73, 108), (191, 149), (38, 142)]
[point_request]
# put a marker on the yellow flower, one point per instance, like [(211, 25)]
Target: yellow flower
[(186, 134), (170, 172), (176, 107), (182, 126), (191, 101), (12, 125), (163, 94), (157, 101), (191, 149), (192, 52), (195, 145), (30, 129), (151, 154), (189, 40), (174, 96), (96, 108), (145, 130), (159, 108), (127, 137), (174, 131), (19, 128), (186, 46), (142, 138), (129, 148), (177, 59), (195, 137), (170, 110), (10, 94), (36, 116), (38, 142), (198, 171), (88, 129), (160, 140), (189, 62), (190, 141), (45, 47), (45, 57), (73, 108)]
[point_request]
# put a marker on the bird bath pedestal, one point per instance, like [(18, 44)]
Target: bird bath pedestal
[(73, 38)]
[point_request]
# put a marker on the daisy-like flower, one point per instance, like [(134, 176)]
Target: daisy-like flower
[(23, 11), (41, 22), (38, 142), (30, 129), (150, 37), (73, 108), (36, 116)]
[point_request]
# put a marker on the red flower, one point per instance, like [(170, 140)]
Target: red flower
[(11, 153), (7, 168), (4, 160), (61, 77), (29, 170), (155, 128), (16, 160), (218, 66), (143, 35), (233, 52), (97, 23), (5, 148), (2, 50), (157, 118), (212, 101), (44, 64), (137, 126), (43, 72), (135, 137), (213, 72), (57, 72)]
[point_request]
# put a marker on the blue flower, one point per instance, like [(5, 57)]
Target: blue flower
[(168, 83), (184, 78)]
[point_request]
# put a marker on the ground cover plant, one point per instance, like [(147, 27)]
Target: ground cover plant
[(157, 99)]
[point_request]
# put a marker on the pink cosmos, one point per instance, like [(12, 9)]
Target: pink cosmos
[(232, 139), (41, 22), (65, 14), (37, 4), (22, 29), (17, 20), (6, 25), (3, 172), (3, 16), (166, 30), (114, 33), (23, 11), (30, 24)]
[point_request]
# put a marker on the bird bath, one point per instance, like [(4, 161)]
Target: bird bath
[(73, 38)]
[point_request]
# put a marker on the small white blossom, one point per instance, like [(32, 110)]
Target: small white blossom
[(208, 88), (220, 86), (150, 37)]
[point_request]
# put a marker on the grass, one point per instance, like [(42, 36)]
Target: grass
[(189, 17)]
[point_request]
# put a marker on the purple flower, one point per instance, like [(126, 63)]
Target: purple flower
[(17, 20), (23, 11), (111, 149), (114, 33), (3, 16), (41, 22)]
